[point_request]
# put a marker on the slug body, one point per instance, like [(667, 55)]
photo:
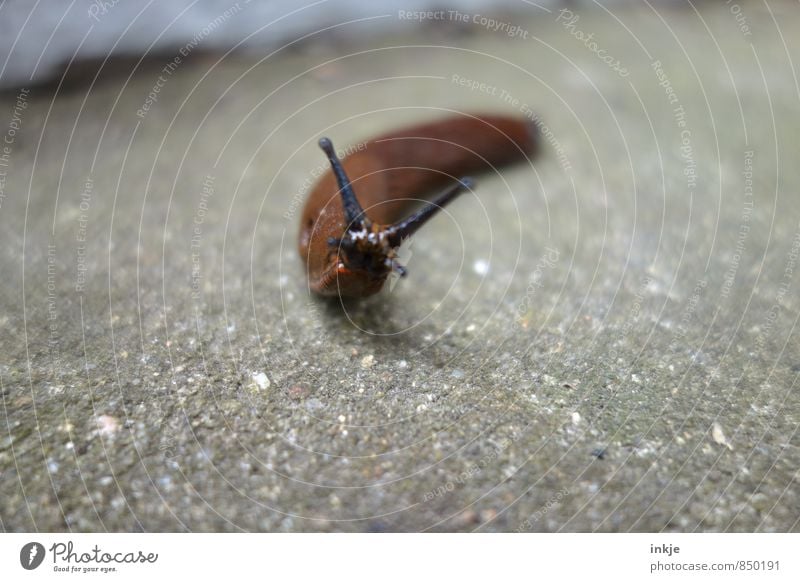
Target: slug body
[(359, 213)]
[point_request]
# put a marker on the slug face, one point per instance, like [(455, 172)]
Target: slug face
[(366, 252), (368, 249)]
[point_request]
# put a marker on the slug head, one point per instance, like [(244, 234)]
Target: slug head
[(370, 249)]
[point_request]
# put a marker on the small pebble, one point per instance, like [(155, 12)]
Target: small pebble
[(367, 361), (467, 517), (107, 425), (261, 380), (719, 436), (299, 391), (314, 404)]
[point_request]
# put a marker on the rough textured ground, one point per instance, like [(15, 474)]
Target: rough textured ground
[(604, 340)]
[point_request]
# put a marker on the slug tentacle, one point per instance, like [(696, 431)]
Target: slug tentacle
[(400, 231), (353, 213)]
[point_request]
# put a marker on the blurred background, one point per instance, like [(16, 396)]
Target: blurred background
[(40, 40)]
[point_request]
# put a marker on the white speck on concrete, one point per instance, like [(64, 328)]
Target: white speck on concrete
[(107, 425), (481, 267), (261, 380), (719, 436)]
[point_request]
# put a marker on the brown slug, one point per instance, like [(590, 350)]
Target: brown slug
[(360, 212)]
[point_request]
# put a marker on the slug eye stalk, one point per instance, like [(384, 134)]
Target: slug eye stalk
[(353, 213), (400, 231), (356, 218)]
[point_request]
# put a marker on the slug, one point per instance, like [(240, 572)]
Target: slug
[(359, 213)]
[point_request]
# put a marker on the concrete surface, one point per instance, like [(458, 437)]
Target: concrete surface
[(602, 341)]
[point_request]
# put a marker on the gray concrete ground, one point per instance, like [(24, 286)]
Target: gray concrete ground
[(604, 340)]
